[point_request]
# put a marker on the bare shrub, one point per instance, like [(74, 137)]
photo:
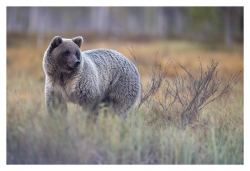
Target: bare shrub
[(193, 94), (157, 75), (184, 96)]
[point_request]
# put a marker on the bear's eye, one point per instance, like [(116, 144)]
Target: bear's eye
[(66, 53)]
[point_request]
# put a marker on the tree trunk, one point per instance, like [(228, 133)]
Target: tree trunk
[(178, 23), (228, 27)]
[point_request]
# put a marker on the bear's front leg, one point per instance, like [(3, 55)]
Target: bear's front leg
[(55, 103)]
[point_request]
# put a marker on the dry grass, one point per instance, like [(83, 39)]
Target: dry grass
[(145, 137)]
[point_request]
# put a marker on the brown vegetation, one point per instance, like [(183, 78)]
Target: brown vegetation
[(150, 134)]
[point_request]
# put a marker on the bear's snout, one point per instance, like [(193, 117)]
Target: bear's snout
[(77, 63), (73, 62)]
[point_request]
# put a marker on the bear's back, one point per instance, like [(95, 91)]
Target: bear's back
[(108, 61)]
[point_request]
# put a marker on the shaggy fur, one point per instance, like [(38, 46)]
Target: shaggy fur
[(88, 78)]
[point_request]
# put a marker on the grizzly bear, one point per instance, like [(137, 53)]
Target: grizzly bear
[(88, 78)]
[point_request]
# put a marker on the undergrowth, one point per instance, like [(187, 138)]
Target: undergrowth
[(146, 136), (154, 132)]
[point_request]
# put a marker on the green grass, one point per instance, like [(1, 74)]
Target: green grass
[(144, 137)]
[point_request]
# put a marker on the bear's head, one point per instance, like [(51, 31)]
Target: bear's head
[(64, 54)]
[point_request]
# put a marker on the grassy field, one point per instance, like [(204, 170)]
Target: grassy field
[(145, 136)]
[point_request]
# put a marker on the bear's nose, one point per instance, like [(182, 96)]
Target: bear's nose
[(76, 64)]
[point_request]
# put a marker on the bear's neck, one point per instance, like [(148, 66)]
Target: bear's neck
[(64, 78)]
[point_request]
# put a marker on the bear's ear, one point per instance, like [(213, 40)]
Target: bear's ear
[(56, 41), (78, 40)]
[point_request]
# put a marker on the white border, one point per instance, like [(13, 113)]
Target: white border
[(124, 3)]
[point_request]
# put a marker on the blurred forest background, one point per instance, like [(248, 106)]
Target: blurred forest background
[(182, 33), (202, 24)]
